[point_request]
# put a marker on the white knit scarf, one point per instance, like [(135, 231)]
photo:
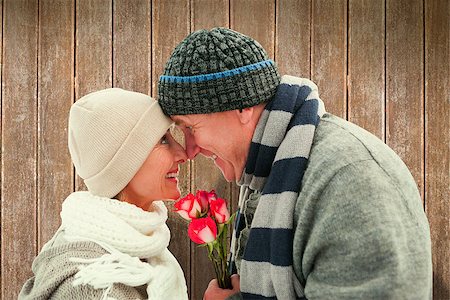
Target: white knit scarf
[(128, 234)]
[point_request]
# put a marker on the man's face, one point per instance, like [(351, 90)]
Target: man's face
[(218, 136)]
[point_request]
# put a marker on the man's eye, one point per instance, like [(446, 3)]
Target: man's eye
[(189, 128)]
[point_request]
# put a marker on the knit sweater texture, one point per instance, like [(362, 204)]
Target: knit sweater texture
[(360, 230), (107, 249), (54, 275)]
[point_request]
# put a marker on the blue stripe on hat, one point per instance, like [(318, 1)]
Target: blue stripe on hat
[(219, 75)]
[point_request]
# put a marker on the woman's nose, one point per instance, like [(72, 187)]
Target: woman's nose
[(179, 155)]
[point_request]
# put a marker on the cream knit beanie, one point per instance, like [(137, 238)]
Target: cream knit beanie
[(111, 133)]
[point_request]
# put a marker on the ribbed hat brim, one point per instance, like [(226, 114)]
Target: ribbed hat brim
[(223, 94)]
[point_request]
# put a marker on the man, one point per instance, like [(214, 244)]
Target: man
[(327, 211)]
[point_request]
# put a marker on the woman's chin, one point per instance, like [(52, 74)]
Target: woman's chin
[(172, 195)]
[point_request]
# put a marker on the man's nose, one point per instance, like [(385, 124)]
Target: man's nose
[(192, 149)]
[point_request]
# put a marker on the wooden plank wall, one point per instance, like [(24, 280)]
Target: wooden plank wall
[(382, 64)]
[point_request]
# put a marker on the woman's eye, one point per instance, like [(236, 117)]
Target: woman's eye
[(164, 140)]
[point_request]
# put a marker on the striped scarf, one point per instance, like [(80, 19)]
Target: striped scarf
[(275, 166)]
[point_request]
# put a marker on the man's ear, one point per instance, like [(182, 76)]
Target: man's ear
[(245, 115)]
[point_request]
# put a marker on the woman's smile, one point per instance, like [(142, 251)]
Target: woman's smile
[(173, 175)]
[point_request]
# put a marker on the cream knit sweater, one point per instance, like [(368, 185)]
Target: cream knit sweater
[(107, 249)]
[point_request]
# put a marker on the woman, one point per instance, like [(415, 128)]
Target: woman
[(112, 243)]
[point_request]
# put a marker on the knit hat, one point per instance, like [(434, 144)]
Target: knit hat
[(111, 134), (216, 70)]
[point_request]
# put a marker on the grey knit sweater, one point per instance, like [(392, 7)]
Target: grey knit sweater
[(54, 274), (360, 228)]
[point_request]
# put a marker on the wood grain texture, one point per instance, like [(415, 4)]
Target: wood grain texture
[(405, 81), (126, 43), (205, 175), (1, 144), (437, 140), (55, 96), (19, 137), (93, 50), (293, 37), (170, 24), (207, 14), (329, 53), (93, 46), (132, 45), (255, 18), (366, 77)]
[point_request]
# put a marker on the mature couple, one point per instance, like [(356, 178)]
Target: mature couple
[(326, 210)]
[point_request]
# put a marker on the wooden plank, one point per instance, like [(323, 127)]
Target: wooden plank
[(293, 37), (168, 31), (55, 96), (405, 81), (132, 45), (19, 130), (1, 144), (437, 140), (205, 175), (207, 14), (255, 18), (329, 52), (93, 50), (366, 77)]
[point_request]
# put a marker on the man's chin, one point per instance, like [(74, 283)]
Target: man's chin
[(227, 171), (227, 175)]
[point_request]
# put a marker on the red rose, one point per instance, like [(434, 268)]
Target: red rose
[(188, 207), (210, 223), (205, 197), (219, 210), (203, 230)]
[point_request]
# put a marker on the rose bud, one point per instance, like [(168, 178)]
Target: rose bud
[(212, 195), (219, 210), (203, 196), (188, 207), (203, 230)]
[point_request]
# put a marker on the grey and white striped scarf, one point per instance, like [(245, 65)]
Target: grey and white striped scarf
[(275, 166)]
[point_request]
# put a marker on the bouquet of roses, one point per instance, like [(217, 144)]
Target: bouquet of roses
[(209, 225)]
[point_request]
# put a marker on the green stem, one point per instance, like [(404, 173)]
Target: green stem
[(217, 253)]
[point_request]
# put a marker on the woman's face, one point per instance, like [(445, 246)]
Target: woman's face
[(157, 179)]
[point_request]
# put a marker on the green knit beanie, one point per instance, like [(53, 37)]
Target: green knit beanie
[(216, 70)]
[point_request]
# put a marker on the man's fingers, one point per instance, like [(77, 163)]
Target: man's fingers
[(235, 281), (213, 283)]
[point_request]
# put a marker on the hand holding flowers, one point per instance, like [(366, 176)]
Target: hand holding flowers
[(209, 223)]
